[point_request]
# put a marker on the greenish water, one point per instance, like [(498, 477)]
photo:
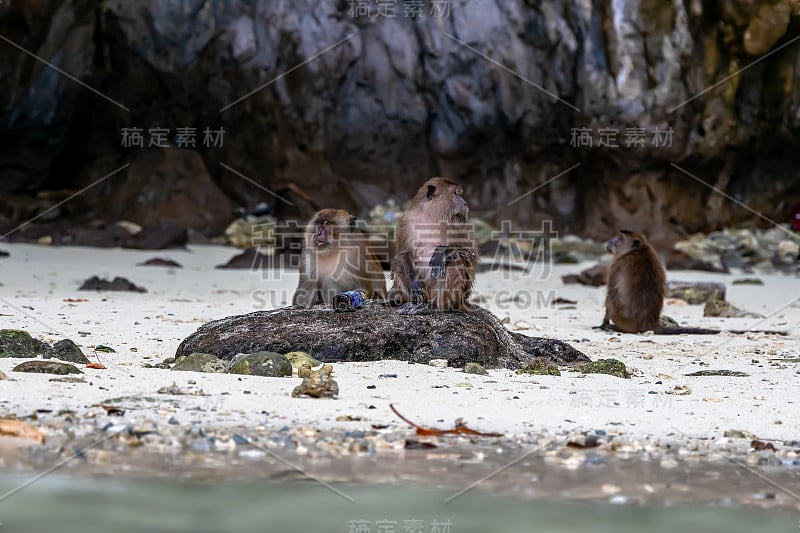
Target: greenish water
[(86, 505)]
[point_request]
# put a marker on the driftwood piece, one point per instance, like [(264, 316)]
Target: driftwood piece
[(377, 332)]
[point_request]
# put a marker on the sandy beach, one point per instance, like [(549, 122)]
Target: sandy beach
[(39, 282)]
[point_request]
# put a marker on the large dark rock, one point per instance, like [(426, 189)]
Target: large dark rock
[(394, 100), (377, 332)]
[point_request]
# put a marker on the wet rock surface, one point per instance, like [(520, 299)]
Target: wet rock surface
[(377, 332)]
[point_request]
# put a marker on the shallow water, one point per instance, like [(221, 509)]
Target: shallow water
[(87, 505)]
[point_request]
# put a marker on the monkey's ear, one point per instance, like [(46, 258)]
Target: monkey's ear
[(431, 190), (636, 243), (353, 219)]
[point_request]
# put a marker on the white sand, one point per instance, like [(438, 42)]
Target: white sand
[(147, 328)]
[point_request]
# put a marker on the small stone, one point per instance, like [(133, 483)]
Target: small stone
[(17, 343), (304, 371), (268, 364), (611, 367), (726, 373), (438, 363), (350, 418), (173, 389), (739, 434), (719, 308), (540, 367), (2, 376), (695, 292), (593, 277), (475, 368), (787, 248), (200, 362), (66, 350), (748, 281), (159, 262), (679, 390), (46, 367), (300, 359), (117, 284), (668, 322), (68, 379), (319, 385)]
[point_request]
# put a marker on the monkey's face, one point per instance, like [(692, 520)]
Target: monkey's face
[(624, 242), (443, 201), (325, 228)]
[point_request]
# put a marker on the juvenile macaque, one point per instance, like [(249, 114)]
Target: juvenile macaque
[(335, 259)]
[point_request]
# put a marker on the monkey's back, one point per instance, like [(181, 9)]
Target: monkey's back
[(635, 295)]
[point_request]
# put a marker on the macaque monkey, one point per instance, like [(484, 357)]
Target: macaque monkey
[(437, 254), (636, 285), (335, 259)]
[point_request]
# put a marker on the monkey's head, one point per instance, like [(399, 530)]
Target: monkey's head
[(326, 226), (441, 200), (625, 241)]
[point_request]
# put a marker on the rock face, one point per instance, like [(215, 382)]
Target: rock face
[(502, 96), (377, 332)]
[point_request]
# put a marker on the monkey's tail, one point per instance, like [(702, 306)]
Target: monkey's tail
[(690, 331), (704, 331)]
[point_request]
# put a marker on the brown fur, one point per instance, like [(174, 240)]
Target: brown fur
[(635, 288), (636, 284), (437, 253), (335, 259)]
